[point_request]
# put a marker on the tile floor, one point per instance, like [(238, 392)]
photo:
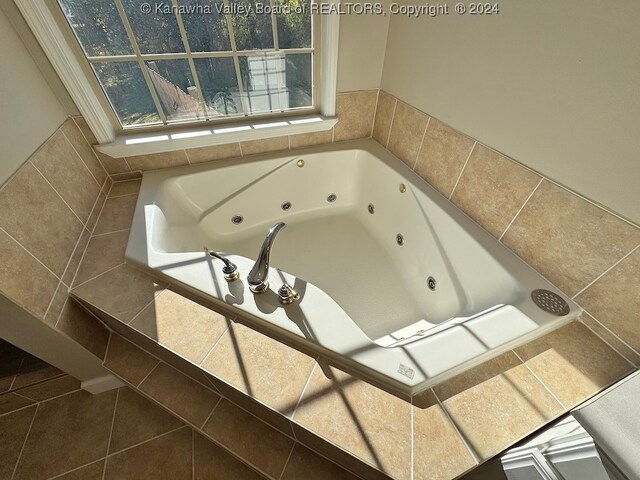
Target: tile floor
[(50, 428)]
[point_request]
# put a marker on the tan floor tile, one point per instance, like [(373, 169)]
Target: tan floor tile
[(442, 156), (613, 340), (129, 187), (103, 253), (497, 403), (52, 231), (266, 145), (51, 388), (305, 464), (355, 111), (76, 257), (493, 188), (614, 300), (573, 363), (122, 292), (216, 152), (13, 431), (182, 326), (567, 239), (407, 131), (309, 139), (171, 456), (5, 382), (68, 432), (64, 169), (438, 451), (128, 361), (180, 394), (79, 142), (93, 471), (384, 115), (213, 462), (84, 328), (238, 431), (23, 279), (154, 161), (266, 369), (365, 421), (10, 402), (138, 420), (117, 214)]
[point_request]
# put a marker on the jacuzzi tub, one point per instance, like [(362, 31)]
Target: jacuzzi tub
[(396, 284)]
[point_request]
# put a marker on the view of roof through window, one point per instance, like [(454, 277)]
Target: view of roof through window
[(197, 60)]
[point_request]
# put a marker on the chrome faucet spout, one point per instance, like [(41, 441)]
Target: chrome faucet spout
[(259, 274)]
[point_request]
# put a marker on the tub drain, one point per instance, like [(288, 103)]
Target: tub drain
[(550, 302)]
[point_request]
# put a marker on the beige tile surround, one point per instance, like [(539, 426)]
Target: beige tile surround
[(461, 169)]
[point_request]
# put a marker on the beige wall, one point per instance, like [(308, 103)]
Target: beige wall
[(555, 85), (361, 51), (29, 110)]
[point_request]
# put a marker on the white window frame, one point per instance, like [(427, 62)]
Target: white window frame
[(46, 21)]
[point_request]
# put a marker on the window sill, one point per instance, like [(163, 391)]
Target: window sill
[(194, 137)]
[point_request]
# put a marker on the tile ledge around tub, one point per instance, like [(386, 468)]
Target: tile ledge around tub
[(133, 336)]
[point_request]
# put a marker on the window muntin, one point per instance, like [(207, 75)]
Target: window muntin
[(166, 68)]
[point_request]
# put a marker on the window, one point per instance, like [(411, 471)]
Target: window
[(184, 61)]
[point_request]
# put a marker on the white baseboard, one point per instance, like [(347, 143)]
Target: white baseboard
[(101, 384)]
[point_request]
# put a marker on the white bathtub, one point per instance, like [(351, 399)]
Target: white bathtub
[(365, 300)]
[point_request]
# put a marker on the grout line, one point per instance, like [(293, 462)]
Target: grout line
[(375, 111), (424, 134), (80, 156), (109, 233), (286, 463), (186, 155), (240, 147), (611, 332), (608, 343), (64, 305), (57, 193), (215, 344), (107, 271), (24, 443), (462, 171), (51, 303), (606, 271), (126, 162), (304, 389), (210, 414), (113, 421), (521, 208), (27, 250), (86, 247), (471, 450), (393, 117), (60, 475), (148, 374), (130, 447), (540, 380)]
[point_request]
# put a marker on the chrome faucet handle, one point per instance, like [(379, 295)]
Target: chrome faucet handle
[(287, 294), (258, 278), (230, 270)]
